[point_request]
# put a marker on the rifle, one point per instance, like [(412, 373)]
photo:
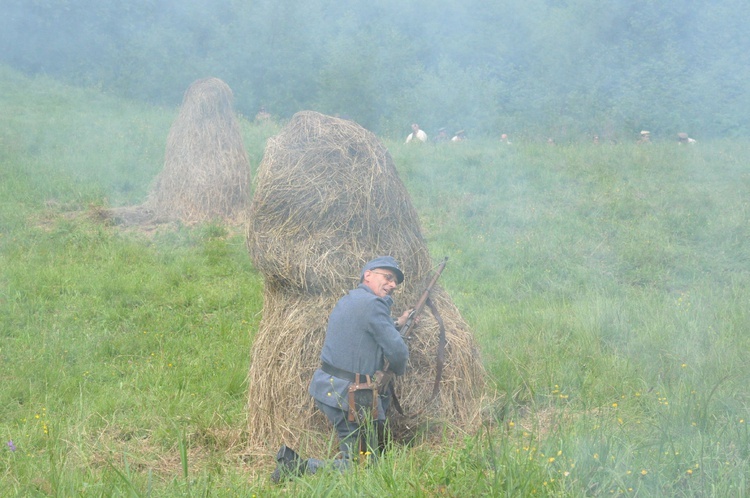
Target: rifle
[(406, 328), (424, 300)]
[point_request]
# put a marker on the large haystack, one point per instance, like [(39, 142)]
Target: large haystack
[(206, 173), (328, 198)]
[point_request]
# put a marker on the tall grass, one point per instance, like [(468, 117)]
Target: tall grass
[(608, 287)]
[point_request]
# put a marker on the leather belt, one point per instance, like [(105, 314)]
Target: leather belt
[(340, 373)]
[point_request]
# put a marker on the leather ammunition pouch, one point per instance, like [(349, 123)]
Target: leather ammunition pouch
[(363, 399)]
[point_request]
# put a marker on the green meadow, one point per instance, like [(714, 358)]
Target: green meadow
[(608, 286)]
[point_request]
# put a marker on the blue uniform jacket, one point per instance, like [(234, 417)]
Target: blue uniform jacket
[(359, 337)]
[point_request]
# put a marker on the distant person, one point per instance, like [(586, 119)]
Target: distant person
[(442, 135), (504, 138), (683, 138), (596, 139), (417, 135), (645, 137), (460, 136), (550, 141), (262, 115)]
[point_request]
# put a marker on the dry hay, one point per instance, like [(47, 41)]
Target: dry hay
[(206, 447), (206, 173), (328, 198), (140, 215)]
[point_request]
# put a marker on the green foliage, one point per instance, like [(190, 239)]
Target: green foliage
[(542, 67), (361, 63), (607, 286)]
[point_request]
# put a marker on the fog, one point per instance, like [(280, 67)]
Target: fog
[(608, 275), (546, 67)]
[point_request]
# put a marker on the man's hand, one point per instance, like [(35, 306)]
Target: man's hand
[(400, 321), (383, 379)]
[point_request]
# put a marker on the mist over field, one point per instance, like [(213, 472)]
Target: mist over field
[(607, 284), (564, 69)]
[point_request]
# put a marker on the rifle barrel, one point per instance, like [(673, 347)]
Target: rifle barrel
[(423, 299)]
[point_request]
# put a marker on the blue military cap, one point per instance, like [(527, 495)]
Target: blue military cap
[(386, 262)]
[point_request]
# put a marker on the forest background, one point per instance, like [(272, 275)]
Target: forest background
[(537, 68), (607, 284)]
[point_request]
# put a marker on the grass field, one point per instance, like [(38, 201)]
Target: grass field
[(608, 287)]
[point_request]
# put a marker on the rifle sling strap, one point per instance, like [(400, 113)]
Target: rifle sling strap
[(440, 356), (396, 403), (439, 363)]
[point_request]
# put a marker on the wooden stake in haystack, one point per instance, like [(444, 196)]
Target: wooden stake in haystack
[(206, 173), (328, 199)]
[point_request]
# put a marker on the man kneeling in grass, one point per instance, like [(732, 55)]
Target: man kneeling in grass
[(361, 335)]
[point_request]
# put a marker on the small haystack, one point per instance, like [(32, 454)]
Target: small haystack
[(328, 198), (206, 173)]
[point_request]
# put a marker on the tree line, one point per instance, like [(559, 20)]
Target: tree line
[(547, 67)]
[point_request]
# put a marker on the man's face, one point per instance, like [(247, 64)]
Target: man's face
[(380, 281)]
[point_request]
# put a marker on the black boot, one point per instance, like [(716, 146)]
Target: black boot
[(288, 465)]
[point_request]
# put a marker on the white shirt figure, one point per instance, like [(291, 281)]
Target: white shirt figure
[(683, 138), (416, 134)]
